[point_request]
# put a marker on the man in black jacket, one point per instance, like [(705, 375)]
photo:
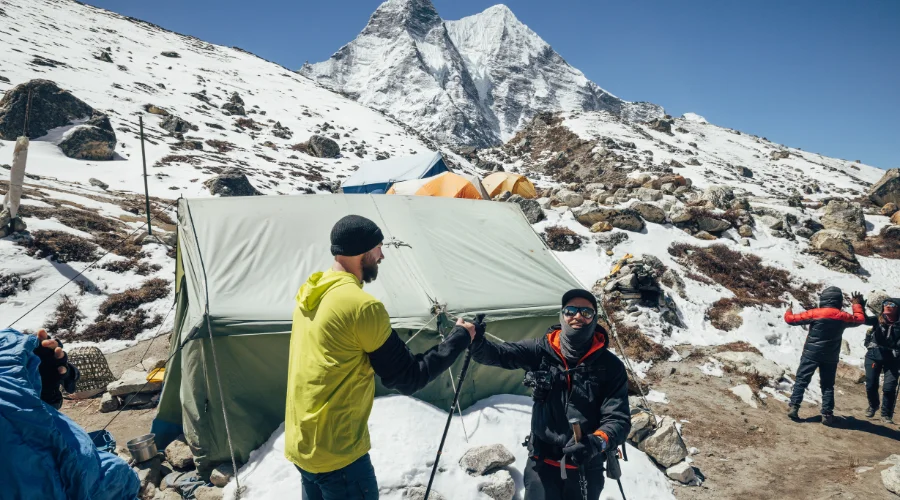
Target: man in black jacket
[(822, 349), (883, 356), (575, 379)]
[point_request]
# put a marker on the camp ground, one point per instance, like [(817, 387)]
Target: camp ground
[(377, 177), (241, 261)]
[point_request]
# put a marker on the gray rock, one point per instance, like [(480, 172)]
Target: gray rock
[(531, 208), (693, 161), (804, 232), (221, 475), (483, 459), (626, 219), (845, 217), (323, 147), (569, 198), (148, 472), (234, 109), (4, 217), (500, 485), (208, 493), (168, 495), (176, 125), (745, 242), (744, 171), (745, 231), (661, 125), (886, 190), (719, 196), (641, 426), (832, 240), (703, 235), (109, 403), (98, 183), (712, 225), (664, 444), (646, 194), (680, 214), (51, 107), (133, 381), (139, 399), (751, 363), (171, 54), (178, 453), (231, 182), (891, 479), (94, 140), (845, 347), (778, 155), (418, 493), (236, 99), (650, 213), (682, 472)]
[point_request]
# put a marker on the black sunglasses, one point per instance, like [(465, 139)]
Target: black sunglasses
[(586, 312), (888, 303)]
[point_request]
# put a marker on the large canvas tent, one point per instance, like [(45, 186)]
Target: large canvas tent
[(240, 262), (376, 177), (447, 185)]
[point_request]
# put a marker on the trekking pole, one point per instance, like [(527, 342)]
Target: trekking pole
[(582, 478), (462, 376)]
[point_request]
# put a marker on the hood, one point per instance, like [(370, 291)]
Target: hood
[(831, 297), (311, 293), (18, 350)]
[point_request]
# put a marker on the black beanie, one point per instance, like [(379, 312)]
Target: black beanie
[(579, 293), (354, 235)]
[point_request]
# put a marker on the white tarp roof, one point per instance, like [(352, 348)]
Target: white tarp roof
[(468, 255), (400, 168)]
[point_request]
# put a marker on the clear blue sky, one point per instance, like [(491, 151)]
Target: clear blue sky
[(821, 75)]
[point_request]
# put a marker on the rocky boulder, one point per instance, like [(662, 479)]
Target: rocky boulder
[(323, 147), (895, 219), (480, 460), (601, 227), (641, 426), (719, 197), (889, 209), (176, 125), (569, 198), (650, 212), (751, 363), (845, 217), (661, 125), (231, 182), (891, 479), (832, 240), (779, 155), (94, 140), (744, 171), (499, 485), (133, 381), (235, 109), (178, 453), (562, 239), (51, 107), (221, 475), (712, 225), (664, 444), (418, 493), (626, 219), (682, 472), (886, 190), (98, 183), (647, 194), (531, 208)]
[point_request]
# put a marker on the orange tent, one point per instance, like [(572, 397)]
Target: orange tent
[(498, 182), (447, 185)]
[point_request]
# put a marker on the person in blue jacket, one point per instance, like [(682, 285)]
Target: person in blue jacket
[(45, 454)]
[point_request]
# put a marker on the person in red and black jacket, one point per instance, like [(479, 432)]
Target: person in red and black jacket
[(883, 355), (574, 376), (822, 349)]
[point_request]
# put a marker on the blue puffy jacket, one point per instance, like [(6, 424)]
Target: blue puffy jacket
[(44, 454)]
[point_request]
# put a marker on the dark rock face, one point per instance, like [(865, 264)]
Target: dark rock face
[(174, 55), (95, 140), (177, 125), (323, 147), (231, 182), (531, 208), (887, 190), (234, 109), (661, 125), (51, 107)]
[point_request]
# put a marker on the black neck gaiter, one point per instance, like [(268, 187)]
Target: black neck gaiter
[(576, 342)]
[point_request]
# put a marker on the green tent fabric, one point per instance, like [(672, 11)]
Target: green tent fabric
[(241, 260)]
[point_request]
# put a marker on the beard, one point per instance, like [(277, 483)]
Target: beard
[(369, 269)]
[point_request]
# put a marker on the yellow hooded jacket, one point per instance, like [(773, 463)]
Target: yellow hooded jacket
[(331, 384)]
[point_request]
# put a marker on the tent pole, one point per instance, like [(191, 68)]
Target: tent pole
[(146, 191)]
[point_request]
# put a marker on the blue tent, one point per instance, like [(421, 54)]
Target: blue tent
[(377, 177)]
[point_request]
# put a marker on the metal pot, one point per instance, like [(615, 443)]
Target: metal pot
[(142, 448)]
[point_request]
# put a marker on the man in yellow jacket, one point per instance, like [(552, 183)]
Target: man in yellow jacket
[(341, 338)]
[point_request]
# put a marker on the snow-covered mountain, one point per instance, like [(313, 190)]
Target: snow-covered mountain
[(475, 81)]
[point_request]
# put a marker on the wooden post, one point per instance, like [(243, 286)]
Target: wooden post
[(146, 191)]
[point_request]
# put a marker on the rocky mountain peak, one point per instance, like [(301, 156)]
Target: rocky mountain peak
[(416, 17)]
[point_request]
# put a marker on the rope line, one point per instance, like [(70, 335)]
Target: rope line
[(91, 265), (422, 329)]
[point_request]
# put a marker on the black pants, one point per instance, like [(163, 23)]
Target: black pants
[(543, 482), (827, 372), (891, 370)]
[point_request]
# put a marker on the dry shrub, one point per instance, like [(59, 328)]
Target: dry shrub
[(220, 146), (65, 318), (13, 283), (636, 345), (120, 245), (152, 290), (126, 328), (562, 239), (302, 147), (247, 123), (190, 160), (59, 246), (739, 346), (83, 220), (744, 274), (725, 314), (135, 265), (884, 245)]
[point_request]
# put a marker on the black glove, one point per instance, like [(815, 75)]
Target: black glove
[(49, 371), (480, 328), (857, 298), (583, 451)]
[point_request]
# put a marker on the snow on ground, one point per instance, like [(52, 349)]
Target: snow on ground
[(405, 435)]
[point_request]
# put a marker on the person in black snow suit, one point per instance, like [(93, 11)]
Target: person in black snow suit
[(574, 378), (883, 356), (822, 349)]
